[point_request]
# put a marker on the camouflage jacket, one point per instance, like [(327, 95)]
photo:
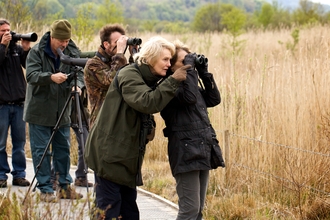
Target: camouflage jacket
[(98, 74)]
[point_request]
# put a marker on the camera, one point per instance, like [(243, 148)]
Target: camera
[(134, 41), (201, 59), (29, 36)]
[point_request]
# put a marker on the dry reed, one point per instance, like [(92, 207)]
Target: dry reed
[(275, 105)]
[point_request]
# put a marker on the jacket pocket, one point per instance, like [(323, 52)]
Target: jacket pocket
[(193, 149)]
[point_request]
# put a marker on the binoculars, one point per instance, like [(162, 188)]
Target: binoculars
[(201, 59), (134, 41)]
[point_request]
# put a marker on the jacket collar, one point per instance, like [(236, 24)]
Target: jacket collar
[(149, 78), (105, 57)]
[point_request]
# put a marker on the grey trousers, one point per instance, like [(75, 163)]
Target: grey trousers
[(191, 188)]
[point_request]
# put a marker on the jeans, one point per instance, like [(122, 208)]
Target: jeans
[(191, 189), (12, 116), (81, 172), (117, 200), (60, 155)]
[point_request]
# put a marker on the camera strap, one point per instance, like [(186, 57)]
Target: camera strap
[(104, 60)]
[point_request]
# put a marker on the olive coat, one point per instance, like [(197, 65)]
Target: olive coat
[(45, 99), (112, 147)]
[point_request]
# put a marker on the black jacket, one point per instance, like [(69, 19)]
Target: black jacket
[(12, 79), (188, 128)]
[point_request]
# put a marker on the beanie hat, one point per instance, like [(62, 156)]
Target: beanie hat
[(61, 29)]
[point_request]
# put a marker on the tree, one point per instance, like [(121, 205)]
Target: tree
[(47, 10), (307, 13), (266, 15), (83, 24), (109, 12), (207, 18), (234, 21), (16, 11)]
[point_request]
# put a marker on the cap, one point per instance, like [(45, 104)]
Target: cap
[(61, 29)]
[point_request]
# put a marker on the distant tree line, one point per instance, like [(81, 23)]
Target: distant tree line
[(172, 16)]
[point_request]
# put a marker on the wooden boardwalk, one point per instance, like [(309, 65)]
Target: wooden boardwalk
[(152, 207)]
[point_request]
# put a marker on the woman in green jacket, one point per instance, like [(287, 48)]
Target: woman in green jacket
[(115, 148)]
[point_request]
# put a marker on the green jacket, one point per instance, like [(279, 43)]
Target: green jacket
[(45, 99), (112, 147)]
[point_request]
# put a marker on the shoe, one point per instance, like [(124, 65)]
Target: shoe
[(3, 183), (54, 185), (48, 197), (69, 193), (82, 182), (21, 182)]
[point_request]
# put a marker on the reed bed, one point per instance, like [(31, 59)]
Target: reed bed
[(275, 110)]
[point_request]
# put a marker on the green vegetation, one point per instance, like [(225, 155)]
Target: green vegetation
[(170, 16)]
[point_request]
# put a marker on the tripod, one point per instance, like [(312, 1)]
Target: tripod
[(78, 107)]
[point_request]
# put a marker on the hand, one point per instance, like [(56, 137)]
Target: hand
[(202, 66), (6, 38), (78, 89), (59, 77), (25, 45), (189, 59), (181, 73), (133, 49), (121, 44)]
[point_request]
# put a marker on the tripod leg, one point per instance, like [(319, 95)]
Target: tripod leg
[(79, 111), (48, 145)]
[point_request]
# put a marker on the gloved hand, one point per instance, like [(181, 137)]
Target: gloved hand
[(202, 66), (181, 73), (189, 59)]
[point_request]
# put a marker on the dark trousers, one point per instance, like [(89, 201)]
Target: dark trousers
[(80, 172), (116, 200)]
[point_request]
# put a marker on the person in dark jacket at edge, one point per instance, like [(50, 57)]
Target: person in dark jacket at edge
[(116, 143), (12, 96), (193, 149)]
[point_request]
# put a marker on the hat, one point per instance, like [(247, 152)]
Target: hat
[(61, 29)]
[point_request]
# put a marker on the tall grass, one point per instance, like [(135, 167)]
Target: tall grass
[(275, 105)]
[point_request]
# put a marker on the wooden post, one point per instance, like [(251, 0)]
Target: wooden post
[(227, 161)]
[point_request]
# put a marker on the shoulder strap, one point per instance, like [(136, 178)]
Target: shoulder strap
[(115, 80), (104, 60)]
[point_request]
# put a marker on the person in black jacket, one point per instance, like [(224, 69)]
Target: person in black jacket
[(12, 96), (192, 145)]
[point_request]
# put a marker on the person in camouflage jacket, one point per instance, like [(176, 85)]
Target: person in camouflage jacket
[(100, 70)]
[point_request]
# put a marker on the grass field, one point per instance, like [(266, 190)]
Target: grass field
[(275, 107)]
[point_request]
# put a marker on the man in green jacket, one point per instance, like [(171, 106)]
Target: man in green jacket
[(49, 87), (113, 148)]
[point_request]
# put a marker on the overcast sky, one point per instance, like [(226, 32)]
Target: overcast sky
[(326, 2)]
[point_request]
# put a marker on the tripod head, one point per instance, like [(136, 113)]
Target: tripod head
[(77, 62), (66, 59)]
